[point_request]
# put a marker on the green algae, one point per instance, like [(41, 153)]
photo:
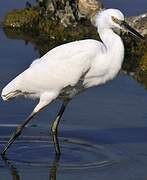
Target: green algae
[(143, 63), (24, 18), (134, 52)]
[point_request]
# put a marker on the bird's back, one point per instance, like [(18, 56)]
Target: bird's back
[(57, 69)]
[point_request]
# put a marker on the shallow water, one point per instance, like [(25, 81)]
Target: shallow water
[(103, 132)]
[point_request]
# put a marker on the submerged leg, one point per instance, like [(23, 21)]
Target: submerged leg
[(54, 128), (54, 168), (16, 133), (13, 170), (42, 103)]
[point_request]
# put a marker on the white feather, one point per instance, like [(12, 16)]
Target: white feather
[(64, 65)]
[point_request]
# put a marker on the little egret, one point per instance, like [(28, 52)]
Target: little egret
[(69, 69)]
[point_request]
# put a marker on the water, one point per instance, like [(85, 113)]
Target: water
[(103, 132), (132, 7)]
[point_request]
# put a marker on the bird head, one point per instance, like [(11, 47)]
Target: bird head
[(114, 18)]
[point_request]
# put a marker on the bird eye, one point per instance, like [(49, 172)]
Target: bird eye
[(116, 20)]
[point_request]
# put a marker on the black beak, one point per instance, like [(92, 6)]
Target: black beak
[(131, 30)]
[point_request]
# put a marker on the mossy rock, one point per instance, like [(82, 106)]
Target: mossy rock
[(50, 34), (143, 63), (58, 32), (24, 18), (134, 52)]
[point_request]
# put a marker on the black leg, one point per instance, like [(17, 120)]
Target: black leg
[(53, 169), (54, 128), (16, 133), (13, 170)]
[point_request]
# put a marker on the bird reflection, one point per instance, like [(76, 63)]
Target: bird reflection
[(15, 173), (54, 167), (13, 170)]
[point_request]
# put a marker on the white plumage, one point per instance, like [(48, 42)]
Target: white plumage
[(69, 69), (64, 65)]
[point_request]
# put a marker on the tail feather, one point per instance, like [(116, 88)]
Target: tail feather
[(11, 90)]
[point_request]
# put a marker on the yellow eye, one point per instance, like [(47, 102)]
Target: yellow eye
[(116, 20)]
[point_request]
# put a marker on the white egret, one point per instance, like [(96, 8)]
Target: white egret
[(69, 69)]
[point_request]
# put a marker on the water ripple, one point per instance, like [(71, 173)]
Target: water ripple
[(76, 153)]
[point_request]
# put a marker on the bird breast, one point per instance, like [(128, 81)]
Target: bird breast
[(105, 68)]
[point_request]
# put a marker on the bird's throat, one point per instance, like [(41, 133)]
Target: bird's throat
[(111, 40)]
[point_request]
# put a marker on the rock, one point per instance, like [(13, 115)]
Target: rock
[(69, 12), (65, 12), (89, 8), (66, 16), (143, 63), (139, 23), (24, 18), (51, 35)]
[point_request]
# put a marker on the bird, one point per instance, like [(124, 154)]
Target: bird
[(69, 69)]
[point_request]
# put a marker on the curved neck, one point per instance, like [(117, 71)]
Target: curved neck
[(111, 40)]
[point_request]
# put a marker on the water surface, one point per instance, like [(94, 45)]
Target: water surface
[(103, 132)]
